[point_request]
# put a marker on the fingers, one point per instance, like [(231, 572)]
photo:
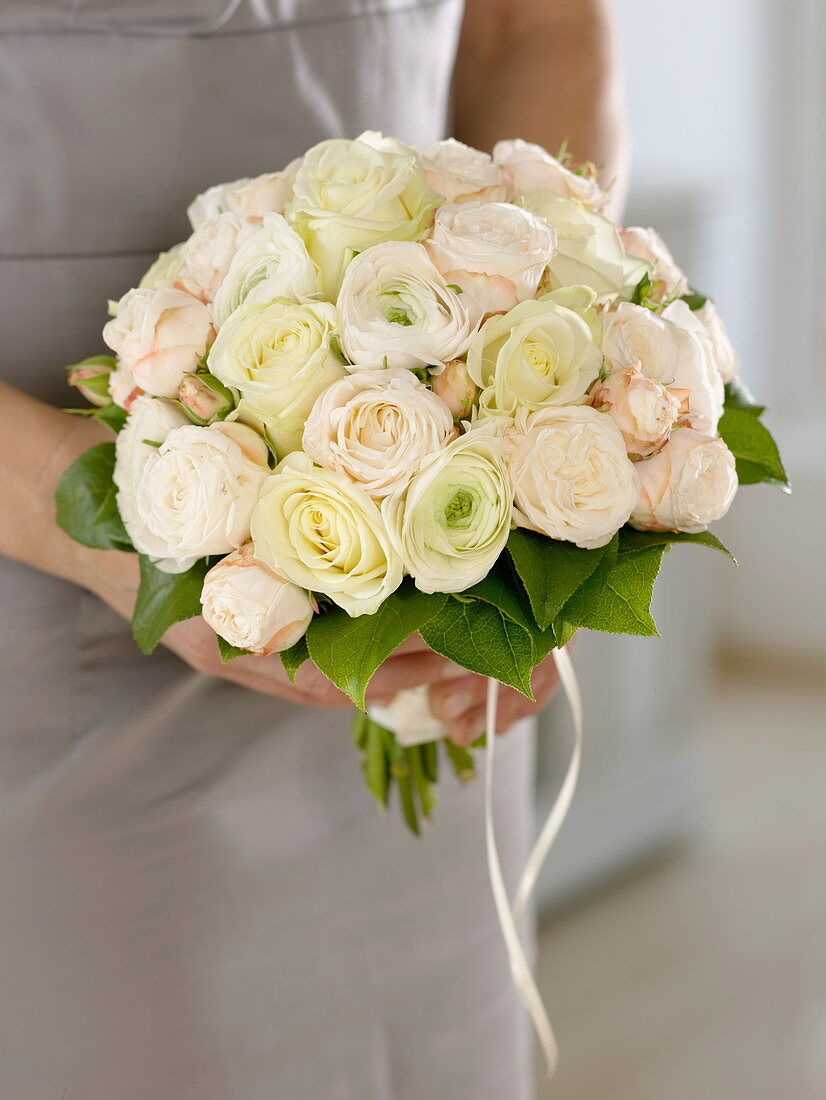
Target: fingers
[(406, 671), (470, 724)]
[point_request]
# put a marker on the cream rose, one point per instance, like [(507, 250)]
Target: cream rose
[(648, 245), (159, 335), (278, 356), (453, 521), (397, 310), (377, 427), (531, 168), (251, 199), (251, 607), (645, 411), (460, 173), (164, 271), (196, 492), (726, 359), (541, 353), (205, 258), (672, 348), (689, 484), (325, 534), (271, 262), (588, 248), (571, 477), (495, 251), (352, 194)]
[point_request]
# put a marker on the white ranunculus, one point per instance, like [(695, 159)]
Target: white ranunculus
[(196, 492), (272, 262), (327, 535), (645, 411), (253, 608), (350, 195), (726, 359), (149, 422), (648, 245), (672, 348), (541, 353), (460, 173), (495, 251), (164, 271), (206, 257), (687, 485), (588, 248), (377, 427), (453, 521), (251, 199), (532, 168), (571, 477), (278, 356), (397, 310), (159, 335)]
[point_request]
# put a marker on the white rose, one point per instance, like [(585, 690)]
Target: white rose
[(377, 427), (460, 173), (645, 411), (726, 359), (278, 356), (251, 607), (159, 335), (571, 476), (164, 271), (453, 521), (149, 423), (495, 251), (272, 262), (206, 257), (531, 168), (397, 310), (352, 194), (196, 492), (325, 534), (672, 348), (250, 199), (588, 248), (541, 353), (686, 486), (648, 245)]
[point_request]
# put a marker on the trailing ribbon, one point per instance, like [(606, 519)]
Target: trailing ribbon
[(509, 913)]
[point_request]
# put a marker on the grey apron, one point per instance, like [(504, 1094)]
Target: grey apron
[(198, 900)]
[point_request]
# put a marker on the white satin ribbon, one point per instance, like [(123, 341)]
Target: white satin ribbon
[(509, 913)]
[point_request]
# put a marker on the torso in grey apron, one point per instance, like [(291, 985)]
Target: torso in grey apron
[(197, 899)]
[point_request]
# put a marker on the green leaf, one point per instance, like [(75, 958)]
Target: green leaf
[(631, 540), (694, 300), (113, 416), (502, 588), (481, 638), (348, 651), (753, 447), (230, 652), (617, 599), (550, 570), (86, 506), (107, 361), (293, 658), (739, 396), (164, 599), (642, 290), (462, 762)]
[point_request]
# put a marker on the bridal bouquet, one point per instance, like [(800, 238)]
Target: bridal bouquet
[(392, 390)]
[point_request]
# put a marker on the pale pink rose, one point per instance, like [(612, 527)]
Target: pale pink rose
[(645, 411), (122, 388), (206, 256), (648, 245), (204, 398), (253, 608), (92, 380), (456, 388), (532, 168), (461, 173), (250, 199), (159, 335), (686, 486)]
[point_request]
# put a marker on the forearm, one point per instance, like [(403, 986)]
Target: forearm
[(547, 71)]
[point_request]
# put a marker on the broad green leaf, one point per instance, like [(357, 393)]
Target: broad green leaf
[(479, 637), (348, 651), (577, 607), (621, 598), (165, 599), (751, 443), (229, 652), (502, 588), (739, 396), (631, 540), (113, 416), (293, 658), (86, 506), (550, 570)]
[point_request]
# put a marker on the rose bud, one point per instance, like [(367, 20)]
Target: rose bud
[(645, 411), (456, 388), (204, 399), (251, 607), (689, 484), (91, 378)]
